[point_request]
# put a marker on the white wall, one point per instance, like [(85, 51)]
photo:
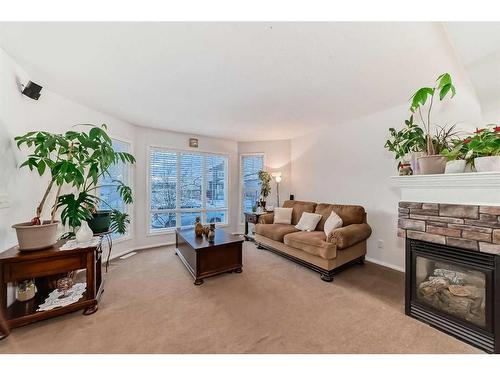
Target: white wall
[(20, 114), (347, 164), (55, 113)]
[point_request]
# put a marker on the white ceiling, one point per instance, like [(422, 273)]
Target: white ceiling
[(241, 81), (478, 47)]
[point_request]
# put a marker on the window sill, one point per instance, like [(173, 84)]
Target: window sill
[(172, 230)]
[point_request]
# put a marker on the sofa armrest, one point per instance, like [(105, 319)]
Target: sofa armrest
[(266, 218), (350, 235)]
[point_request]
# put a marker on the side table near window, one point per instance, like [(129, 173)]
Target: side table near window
[(252, 217), (16, 266)]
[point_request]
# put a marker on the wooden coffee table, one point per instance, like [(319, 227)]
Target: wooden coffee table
[(204, 259)]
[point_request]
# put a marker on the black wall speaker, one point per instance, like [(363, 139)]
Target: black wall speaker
[(32, 90), (292, 197)]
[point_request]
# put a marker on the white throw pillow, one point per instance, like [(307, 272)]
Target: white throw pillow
[(333, 222), (308, 221), (283, 215)]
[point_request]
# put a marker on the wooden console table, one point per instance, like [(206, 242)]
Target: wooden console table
[(252, 217), (16, 266)]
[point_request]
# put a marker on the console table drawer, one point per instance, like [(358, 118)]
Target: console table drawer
[(39, 268)]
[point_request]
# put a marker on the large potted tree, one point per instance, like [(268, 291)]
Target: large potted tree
[(75, 160), (432, 163), (265, 187)]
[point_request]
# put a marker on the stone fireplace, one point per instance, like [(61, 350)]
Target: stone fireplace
[(451, 227), (453, 270)]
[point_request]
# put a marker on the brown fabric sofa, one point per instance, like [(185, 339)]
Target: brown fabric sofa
[(313, 249)]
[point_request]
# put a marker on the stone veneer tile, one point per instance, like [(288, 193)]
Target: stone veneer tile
[(420, 211), (489, 248), (430, 206), (412, 224), (441, 219), (471, 227), (478, 236), (438, 224), (459, 211), (410, 205), (443, 231), (488, 217), (496, 236), (401, 233), (464, 244), (403, 210), (486, 224), (422, 236), (492, 210)]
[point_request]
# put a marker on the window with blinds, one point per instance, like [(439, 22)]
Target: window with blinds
[(250, 184), (107, 189), (184, 185)]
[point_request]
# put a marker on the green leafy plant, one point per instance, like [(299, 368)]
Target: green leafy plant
[(409, 139), (265, 184), (444, 138), (77, 160), (442, 87), (457, 151), (484, 142)]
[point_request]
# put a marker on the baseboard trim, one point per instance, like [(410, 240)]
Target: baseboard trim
[(384, 264), (147, 247)]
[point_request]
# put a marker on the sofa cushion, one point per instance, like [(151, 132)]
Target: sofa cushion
[(283, 215), (274, 231), (299, 207), (313, 243), (349, 214), (308, 221)]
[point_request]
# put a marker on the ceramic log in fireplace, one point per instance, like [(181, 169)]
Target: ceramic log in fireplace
[(455, 290)]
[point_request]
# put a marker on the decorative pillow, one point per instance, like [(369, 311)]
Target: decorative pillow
[(308, 221), (333, 222), (282, 215)]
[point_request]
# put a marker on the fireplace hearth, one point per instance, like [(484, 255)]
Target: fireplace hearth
[(454, 290)]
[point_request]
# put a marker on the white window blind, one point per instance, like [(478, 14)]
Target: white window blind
[(184, 185), (250, 183)]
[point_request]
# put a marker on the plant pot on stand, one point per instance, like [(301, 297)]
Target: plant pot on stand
[(432, 164), (487, 163), (100, 222)]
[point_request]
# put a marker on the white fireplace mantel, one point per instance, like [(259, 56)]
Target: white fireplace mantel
[(454, 188)]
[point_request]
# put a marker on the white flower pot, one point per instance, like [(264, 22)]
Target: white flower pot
[(432, 164), (414, 161), (487, 164), (455, 166), (36, 237)]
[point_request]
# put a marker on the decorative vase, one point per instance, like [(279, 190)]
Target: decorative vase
[(26, 290), (84, 234), (455, 166), (36, 237), (487, 164), (64, 285), (211, 233), (432, 164), (198, 227)]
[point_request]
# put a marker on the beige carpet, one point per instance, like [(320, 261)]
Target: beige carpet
[(150, 305)]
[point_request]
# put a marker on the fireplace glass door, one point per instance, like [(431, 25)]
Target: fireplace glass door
[(451, 288)]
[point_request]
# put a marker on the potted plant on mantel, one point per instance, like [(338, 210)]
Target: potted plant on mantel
[(76, 160), (484, 148), (265, 188), (406, 143), (457, 155), (432, 163)]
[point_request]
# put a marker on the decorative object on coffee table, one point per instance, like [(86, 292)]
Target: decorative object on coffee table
[(211, 233), (203, 259), (198, 227), (64, 285)]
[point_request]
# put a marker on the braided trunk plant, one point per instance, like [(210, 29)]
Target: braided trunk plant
[(76, 160)]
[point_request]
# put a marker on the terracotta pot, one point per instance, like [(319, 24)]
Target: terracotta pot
[(455, 166), (433, 164), (487, 164), (36, 237)]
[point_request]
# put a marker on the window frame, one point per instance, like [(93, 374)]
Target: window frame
[(178, 211), (240, 183), (129, 208)]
